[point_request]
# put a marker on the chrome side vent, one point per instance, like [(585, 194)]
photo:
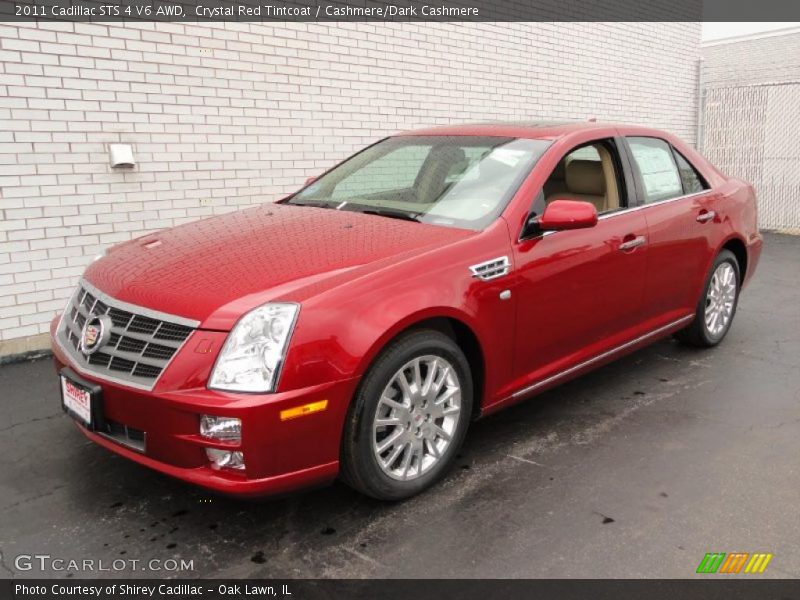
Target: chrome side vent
[(491, 269)]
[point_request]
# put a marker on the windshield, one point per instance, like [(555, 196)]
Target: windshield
[(455, 181)]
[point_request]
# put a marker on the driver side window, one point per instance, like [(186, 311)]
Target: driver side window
[(589, 173)]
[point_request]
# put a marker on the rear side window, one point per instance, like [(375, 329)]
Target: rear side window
[(690, 178), (656, 164)]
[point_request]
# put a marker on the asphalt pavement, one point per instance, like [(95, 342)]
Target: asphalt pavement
[(635, 470)]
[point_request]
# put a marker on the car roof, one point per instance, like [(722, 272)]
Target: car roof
[(532, 129)]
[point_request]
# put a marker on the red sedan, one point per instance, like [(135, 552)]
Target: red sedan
[(355, 328)]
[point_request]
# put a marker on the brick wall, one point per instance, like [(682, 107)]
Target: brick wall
[(226, 115), (748, 60), (751, 118)]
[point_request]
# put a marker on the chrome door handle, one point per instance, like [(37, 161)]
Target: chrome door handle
[(706, 216), (639, 240)]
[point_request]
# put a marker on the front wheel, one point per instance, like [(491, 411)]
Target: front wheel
[(717, 305), (409, 417)]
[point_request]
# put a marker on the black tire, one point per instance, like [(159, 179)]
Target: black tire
[(697, 332), (359, 465)]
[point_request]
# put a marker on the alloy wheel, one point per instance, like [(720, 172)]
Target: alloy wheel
[(720, 299), (416, 417)]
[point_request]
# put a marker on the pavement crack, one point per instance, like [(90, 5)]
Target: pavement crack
[(777, 425), (31, 499), (28, 422), (5, 566), (363, 556), (528, 460)]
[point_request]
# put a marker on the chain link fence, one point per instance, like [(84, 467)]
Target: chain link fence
[(753, 132)]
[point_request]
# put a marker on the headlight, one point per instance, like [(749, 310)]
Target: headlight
[(251, 358)]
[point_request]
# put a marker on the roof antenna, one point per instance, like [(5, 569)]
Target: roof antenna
[(592, 119)]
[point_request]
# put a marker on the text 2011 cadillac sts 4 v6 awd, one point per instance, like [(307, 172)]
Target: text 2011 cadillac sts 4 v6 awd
[(355, 328)]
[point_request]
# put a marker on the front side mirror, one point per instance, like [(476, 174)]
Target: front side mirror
[(309, 181), (562, 214)]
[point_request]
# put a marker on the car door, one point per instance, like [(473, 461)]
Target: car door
[(579, 292), (677, 205)]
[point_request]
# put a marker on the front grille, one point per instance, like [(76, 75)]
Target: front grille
[(122, 434), (142, 341)]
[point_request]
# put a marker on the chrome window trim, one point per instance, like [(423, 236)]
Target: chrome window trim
[(622, 211), (608, 215), (599, 357)]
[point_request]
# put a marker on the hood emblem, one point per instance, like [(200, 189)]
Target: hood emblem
[(95, 334)]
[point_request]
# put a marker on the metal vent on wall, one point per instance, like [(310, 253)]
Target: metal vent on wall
[(491, 269), (142, 341)]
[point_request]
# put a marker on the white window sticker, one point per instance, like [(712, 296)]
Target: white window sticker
[(508, 156), (661, 178)]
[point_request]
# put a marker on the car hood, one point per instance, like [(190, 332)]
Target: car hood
[(213, 270)]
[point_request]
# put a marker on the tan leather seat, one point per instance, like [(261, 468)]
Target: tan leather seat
[(586, 181)]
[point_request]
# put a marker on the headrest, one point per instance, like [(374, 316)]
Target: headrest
[(585, 177), (449, 161), (455, 161)]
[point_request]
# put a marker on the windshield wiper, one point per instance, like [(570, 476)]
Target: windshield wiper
[(353, 207), (312, 204), (392, 214)]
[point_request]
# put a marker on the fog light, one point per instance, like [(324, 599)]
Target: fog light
[(226, 429), (225, 459)]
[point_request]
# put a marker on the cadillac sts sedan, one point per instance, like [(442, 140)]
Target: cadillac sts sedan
[(355, 328)]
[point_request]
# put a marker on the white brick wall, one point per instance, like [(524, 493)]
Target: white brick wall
[(750, 60), (751, 120), (226, 115)]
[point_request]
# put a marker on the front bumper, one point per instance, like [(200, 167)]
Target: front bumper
[(280, 456)]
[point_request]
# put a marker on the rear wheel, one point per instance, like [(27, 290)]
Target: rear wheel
[(409, 417), (717, 305)]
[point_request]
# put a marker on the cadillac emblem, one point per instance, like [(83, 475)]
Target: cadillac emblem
[(96, 332)]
